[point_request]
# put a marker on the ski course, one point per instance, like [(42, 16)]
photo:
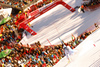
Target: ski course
[(60, 22), (86, 54)]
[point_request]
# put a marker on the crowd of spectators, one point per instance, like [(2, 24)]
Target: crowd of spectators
[(22, 3), (91, 2), (91, 5), (10, 33), (40, 4), (34, 56), (22, 15), (17, 3), (79, 39)]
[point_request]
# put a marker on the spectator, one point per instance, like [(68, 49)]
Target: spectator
[(96, 26)]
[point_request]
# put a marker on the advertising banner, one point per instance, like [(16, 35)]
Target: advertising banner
[(34, 13), (45, 6)]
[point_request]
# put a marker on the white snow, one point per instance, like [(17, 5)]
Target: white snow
[(87, 55), (60, 22)]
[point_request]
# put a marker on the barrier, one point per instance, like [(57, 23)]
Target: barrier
[(22, 18), (28, 29), (45, 6), (41, 11), (34, 12), (67, 6)]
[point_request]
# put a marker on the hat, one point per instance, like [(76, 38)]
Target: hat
[(20, 11)]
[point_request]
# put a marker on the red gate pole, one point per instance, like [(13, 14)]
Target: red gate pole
[(49, 42)]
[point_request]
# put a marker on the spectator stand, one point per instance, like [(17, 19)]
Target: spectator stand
[(9, 6), (34, 55), (91, 5), (18, 4)]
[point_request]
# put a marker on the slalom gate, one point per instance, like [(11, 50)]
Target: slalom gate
[(41, 11)]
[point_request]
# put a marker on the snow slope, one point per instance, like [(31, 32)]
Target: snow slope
[(87, 54), (60, 22)]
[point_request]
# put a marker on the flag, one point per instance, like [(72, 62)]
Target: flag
[(73, 37), (62, 41), (5, 53)]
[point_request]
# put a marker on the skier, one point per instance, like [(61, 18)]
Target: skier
[(66, 50), (82, 8)]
